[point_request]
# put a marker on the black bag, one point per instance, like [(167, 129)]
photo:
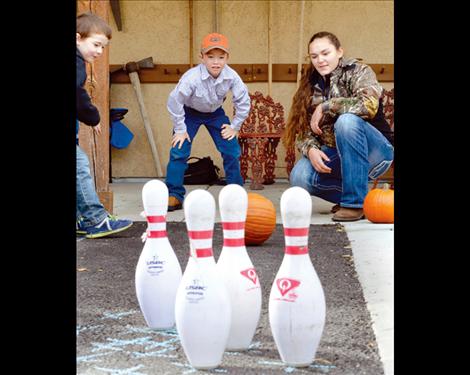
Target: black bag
[(201, 172)]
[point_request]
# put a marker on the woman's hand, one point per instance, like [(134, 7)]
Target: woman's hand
[(316, 157), (315, 120), (179, 138)]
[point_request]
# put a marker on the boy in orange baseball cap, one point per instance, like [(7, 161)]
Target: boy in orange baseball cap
[(197, 100)]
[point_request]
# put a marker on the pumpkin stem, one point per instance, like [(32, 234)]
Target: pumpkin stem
[(386, 186)]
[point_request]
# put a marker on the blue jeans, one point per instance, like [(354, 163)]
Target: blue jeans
[(361, 153), (89, 206), (230, 150)]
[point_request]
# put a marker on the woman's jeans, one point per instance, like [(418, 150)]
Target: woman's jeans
[(89, 207), (361, 153), (230, 150)]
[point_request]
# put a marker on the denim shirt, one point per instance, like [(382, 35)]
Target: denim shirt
[(198, 90)]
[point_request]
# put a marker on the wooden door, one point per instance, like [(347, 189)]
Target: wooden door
[(97, 146)]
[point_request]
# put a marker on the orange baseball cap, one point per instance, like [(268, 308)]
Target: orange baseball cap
[(214, 40)]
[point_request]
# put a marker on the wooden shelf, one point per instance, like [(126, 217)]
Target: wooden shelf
[(171, 73)]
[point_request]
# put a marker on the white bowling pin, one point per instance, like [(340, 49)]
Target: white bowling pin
[(158, 272), (296, 303), (202, 307), (237, 270)]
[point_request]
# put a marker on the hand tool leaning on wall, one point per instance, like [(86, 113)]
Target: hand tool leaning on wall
[(132, 69)]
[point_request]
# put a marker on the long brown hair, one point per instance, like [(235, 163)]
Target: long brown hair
[(301, 109)]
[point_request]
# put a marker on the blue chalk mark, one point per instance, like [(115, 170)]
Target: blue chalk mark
[(190, 368), (155, 353), (81, 329), (115, 344), (119, 315), (91, 357), (166, 343), (324, 367), (255, 344), (131, 329), (291, 369), (146, 330), (167, 332), (129, 371), (220, 370), (271, 363)]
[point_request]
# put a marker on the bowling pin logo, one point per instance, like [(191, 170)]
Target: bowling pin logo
[(155, 266), (250, 274), (195, 291), (285, 285)]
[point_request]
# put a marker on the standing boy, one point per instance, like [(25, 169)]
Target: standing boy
[(93, 220), (197, 99)]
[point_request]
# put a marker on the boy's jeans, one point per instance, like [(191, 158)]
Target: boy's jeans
[(230, 150), (89, 206), (362, 153)]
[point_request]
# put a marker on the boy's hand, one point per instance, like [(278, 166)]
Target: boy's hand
[(179, 138), (97, 128), (228, 133)]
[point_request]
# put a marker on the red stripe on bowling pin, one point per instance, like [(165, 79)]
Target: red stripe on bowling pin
[(234, 233), (156, 226), (156, 219), (200, 234), (203, 253), (296, 250), (201, 238), (233, 225), (234, 242), (156, 234), (296, 240), (296, 231)]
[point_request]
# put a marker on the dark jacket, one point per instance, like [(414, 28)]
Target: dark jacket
[(86, 111)]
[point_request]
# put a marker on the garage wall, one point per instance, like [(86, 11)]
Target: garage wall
[(161, 29)]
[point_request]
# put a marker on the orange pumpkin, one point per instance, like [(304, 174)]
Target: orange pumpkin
[(378, 205), (260, 219)]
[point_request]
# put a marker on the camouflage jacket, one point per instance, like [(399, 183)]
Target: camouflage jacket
[(353, 88)]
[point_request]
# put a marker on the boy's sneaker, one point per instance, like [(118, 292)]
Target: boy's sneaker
[(109, 225), (81, 231)]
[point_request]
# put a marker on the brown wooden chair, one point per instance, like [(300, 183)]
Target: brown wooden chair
[(388, 97), (259, 137)]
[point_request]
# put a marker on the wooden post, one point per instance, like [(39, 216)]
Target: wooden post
[(216, 17), (270, 50), (191, 37), (97, 146), (301, 43)]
